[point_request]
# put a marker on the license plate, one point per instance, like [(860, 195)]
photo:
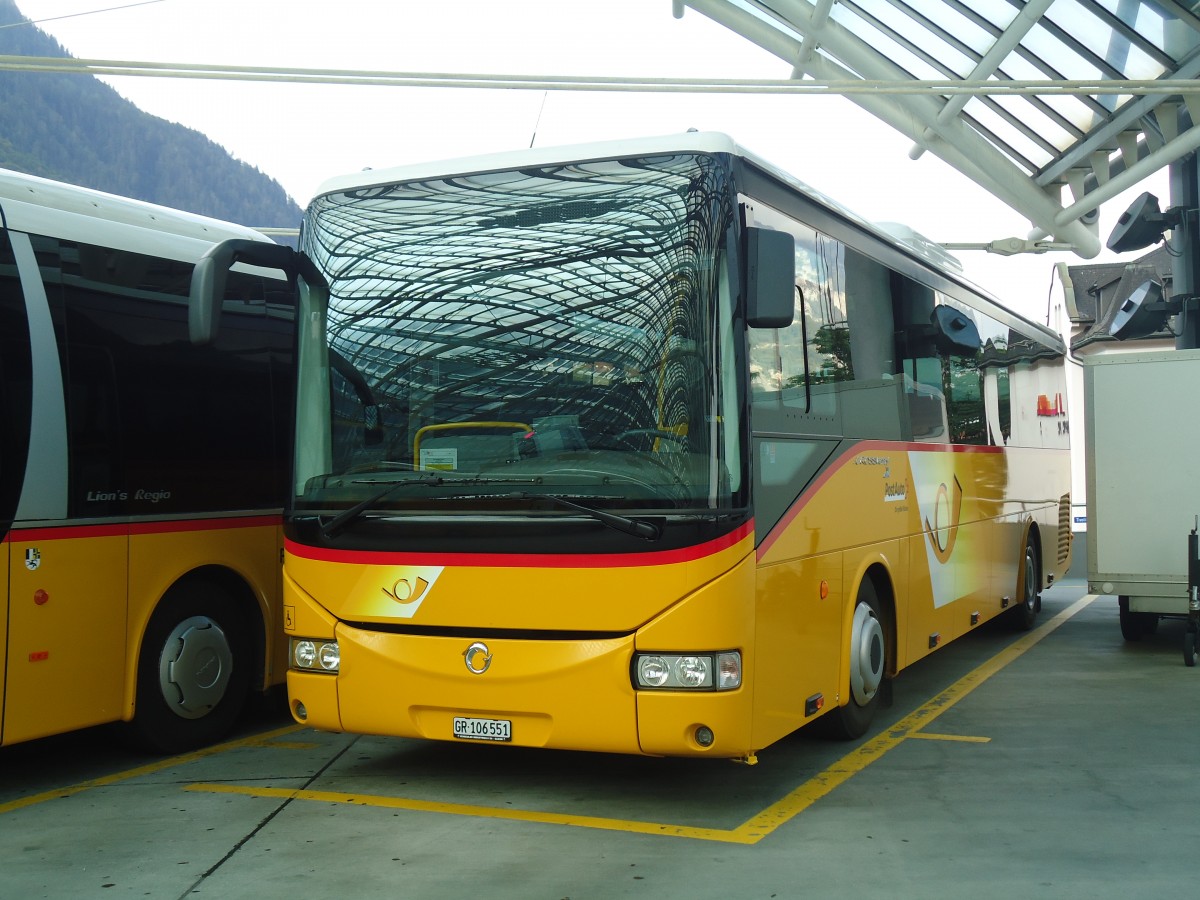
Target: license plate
[(482, 729)]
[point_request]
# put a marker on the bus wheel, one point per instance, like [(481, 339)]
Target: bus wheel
[(868, 667), (1024, 614), (193, 671)]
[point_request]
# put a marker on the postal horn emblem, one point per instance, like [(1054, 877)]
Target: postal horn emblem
[(477, 657)]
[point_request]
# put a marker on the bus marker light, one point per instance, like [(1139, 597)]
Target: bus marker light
[(934, 640), (814, 704), (824, 589), (40, 597), (729, 671), (39, 656)]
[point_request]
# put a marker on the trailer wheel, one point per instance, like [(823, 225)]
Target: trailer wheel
[(1135, 625), (193, 670)]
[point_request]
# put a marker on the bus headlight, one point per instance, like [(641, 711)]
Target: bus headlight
[(688, 671), (693, 671), (653, 671), (311, 655), (329, 656)]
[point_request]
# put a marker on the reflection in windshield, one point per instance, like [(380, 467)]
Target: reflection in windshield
[(552, 326)]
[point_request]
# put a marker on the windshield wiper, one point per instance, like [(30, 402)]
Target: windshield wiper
[(650, 531), (641, 528), (346, 516)]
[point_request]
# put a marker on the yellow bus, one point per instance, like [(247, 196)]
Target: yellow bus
[(646, 447), (141, 477)]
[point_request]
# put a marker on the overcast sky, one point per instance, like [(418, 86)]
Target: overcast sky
[(302, 134)]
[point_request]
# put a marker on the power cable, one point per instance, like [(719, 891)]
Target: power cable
[(90, 12)]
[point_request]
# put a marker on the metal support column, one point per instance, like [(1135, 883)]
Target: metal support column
[(1185, 245)]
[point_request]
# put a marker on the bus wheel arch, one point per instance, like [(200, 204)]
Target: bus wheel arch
[(872, 656), (199, 656)]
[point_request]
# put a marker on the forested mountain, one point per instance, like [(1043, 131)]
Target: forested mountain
[(77, 129)]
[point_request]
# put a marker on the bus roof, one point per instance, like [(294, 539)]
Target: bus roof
[(41, 206)]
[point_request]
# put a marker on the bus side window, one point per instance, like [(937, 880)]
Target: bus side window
[(199, 434), (96, 459), (964, 401), (827, 328), (784, 362), (963, 386), (918, 362)]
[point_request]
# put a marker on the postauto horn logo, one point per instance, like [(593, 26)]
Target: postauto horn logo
[(407, 588)]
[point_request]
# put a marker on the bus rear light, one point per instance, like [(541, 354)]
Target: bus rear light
[(688, 671), (310, 655)]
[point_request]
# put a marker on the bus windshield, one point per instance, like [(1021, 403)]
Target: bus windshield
[(505, 341)]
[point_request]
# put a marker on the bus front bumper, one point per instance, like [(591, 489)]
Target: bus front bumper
[(562, 694)]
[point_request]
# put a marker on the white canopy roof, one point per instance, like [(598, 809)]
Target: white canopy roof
[(1054, 106)]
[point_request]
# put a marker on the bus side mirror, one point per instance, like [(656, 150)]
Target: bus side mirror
[(770, 278), (954, 332), (207, 290)]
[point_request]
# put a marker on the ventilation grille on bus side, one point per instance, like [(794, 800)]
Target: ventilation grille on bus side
[(1064, 527)]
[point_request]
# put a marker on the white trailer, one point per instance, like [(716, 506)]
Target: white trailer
[(1143, 497)]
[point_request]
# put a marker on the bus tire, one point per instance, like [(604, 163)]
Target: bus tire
[(868, 667), (193, 670), (1024, 614)]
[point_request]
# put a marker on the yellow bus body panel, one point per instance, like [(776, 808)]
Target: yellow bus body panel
[(565, 693), (66, 634), (79, 603)]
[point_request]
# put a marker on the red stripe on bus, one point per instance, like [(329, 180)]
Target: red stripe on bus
[(523, 560), (67, 532), (203, 524), (857, 450)]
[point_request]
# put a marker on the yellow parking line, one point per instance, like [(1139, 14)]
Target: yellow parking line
[(754, 829), (854, 762), (964, 738), (463, 809), (148, 769)]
